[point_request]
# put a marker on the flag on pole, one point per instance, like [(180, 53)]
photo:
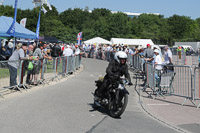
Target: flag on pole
[(49, 5), (44, 10), (38, 26), (11, 30), (79, 38), (23, 22)]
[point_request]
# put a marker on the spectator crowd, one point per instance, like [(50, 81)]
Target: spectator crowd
[(149, 54), (33, 54)]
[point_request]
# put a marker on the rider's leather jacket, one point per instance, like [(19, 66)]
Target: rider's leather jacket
[(116, 70)]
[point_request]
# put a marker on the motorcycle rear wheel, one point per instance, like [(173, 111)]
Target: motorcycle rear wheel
[(116, 110)]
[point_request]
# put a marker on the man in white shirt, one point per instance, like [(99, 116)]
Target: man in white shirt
[(68, 51), (67, 56), (77, 50), (158, 60), (158, 65), (167, 55)]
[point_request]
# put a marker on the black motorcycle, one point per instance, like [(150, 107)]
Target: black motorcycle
[(115, 99)]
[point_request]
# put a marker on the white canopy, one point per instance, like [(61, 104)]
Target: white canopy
[(132, 42), (97, 40)]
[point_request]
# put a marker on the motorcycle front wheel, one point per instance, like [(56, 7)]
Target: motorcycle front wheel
[(117, 108)]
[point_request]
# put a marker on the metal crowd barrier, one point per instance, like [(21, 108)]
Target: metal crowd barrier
[(135, 62), (195, 59), (60, 66), (183, 82), (5, 82), (5, 76), (197, 84), (76, 60), (150, 75), (179, 59), (49, 70), (130, 60), (178, 82), (138, 63)]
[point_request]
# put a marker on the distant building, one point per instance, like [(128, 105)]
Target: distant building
[(130, 14)]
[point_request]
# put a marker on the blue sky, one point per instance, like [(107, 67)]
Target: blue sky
[(167, 8)]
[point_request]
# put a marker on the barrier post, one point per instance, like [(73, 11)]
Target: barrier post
[(66, 64), (57, 64), (73, 62), (68, 57), (197, 84), (4, 76), (55, 67), (20, 76), (79, 60), (43, 69)]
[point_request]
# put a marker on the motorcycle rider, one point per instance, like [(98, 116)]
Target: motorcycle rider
[(114, 71)]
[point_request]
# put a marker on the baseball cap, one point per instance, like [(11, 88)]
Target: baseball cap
[(156, 51), (148, 45)]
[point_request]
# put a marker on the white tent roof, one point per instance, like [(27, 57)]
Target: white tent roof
[(132, 42), (97, 40)]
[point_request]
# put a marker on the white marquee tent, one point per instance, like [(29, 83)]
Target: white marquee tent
[(97, 40), (132, 42)]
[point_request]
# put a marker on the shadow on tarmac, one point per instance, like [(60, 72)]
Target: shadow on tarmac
[(102, 110)]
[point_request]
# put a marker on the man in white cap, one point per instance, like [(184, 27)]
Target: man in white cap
[(158, 65), (67, 53), (158, 60)]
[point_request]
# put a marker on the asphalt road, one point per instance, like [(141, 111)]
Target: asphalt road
[(66, 108)]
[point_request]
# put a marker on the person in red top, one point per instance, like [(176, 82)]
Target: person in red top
[(63, 47)]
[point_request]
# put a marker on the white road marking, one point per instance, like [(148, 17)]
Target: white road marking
[(157, 104)]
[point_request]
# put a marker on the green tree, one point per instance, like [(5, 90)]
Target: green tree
[(74, 18), (182, 28), (151, 26), (101, 22), (119, 25)]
